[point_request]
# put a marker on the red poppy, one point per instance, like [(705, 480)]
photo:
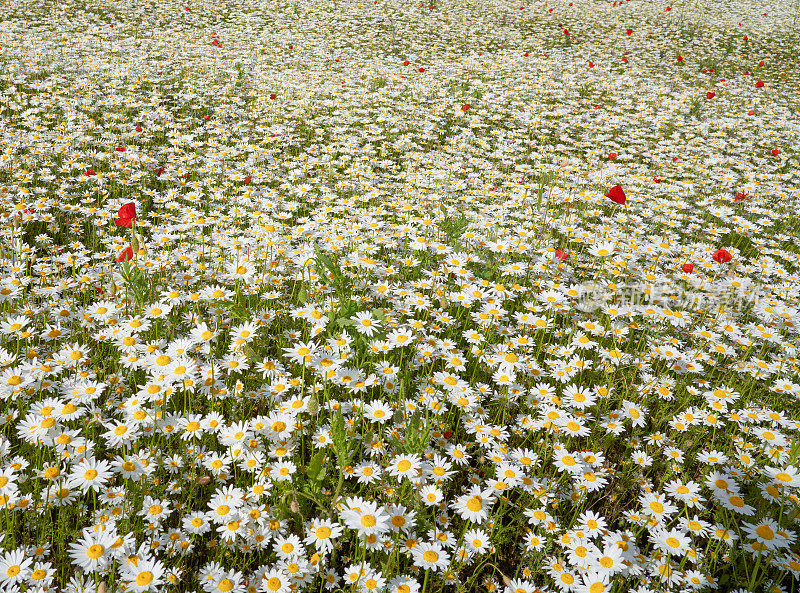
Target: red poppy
[(656, 179), (248, 180), (89, 172), (624, 60), (616, 194), (740, 196), (751, 112), (759, 84), (126, 254), (761, 63), (465, 107), (669, 8), (206, 117), (629, 32), (127, 214), (745, 37), (406, 63), (160, 170), (680, 58), (776, 151), (120, 149), (688, 268), (674, 159), (591, 64), (448, 434), (612, 155), (273, 96), (138, 128), (722, 256), (561, 255), (710, 95), (525, 54), (566, 32), (421, 70)]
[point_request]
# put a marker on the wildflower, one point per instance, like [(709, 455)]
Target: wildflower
[(431, 556), (93, 551), (365, 517), (275, 581), (616, 194), (143, 575), (768, 533), (474, 505), (90, 474), (321, 533), (14, 567), (126, 215)]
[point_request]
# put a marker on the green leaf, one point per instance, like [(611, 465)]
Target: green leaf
[(315, 465)]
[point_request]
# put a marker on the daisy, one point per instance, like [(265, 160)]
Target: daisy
[(288, 546), (367, 472), (431, 556), (473, 506), (365, 324), (671, 541), (321, 533), (90, 474), (14, 567), (401, 518), (767, 533), (431, 495), (657, 506), (365, 517), (92, 552), (275, 581), (403, 584), (143, 575), (300, 353), (225, 581), (378, 411), (405, 466), (592, 522)]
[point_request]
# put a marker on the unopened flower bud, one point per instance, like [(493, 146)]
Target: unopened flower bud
[(203, 480), (294, 507), (134, 244)]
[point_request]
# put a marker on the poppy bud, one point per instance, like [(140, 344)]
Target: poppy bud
[(203, 480), (134, 243)]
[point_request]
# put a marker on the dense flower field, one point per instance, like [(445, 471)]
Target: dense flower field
[(380, 296)]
